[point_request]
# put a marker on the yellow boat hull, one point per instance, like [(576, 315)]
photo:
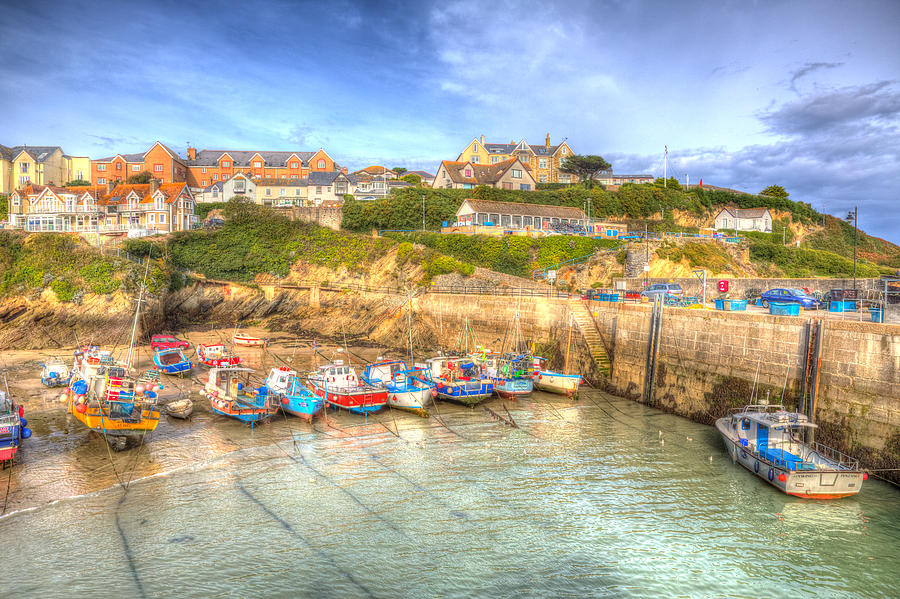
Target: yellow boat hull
[(95, 420)]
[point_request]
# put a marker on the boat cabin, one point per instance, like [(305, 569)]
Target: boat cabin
[(338, 376), (775, 435), (454, 369)]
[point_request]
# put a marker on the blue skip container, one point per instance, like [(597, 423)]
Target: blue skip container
[(877, 315), (784, 309), (731, 305)]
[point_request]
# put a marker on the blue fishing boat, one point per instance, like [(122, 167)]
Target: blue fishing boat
[(230, 394), (13, 428), (171, 361), (460, 380), (510, 373), (295, 397), (54, 372), (407, 388)]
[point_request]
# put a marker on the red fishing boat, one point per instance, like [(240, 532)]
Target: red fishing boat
[(217, 356), (340, 387)]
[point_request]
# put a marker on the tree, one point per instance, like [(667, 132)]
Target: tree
[(775, 191), (399, 170), (670, 183), (142, 177), (77, 183), (584, 167), (412, 178)]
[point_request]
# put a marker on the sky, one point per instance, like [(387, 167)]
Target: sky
[(744, 94)]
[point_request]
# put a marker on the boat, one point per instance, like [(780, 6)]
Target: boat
[(172, 361), (295, 397), (407, 388), (561, 383), (230, 394), (510, 373), (459, 379), (13, 428), (216, 355), (247, 340), (54, 372), (770, 442), (181, 408), (107, 397), (340, 387)]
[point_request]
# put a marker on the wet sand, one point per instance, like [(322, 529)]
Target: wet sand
[(64, 459)]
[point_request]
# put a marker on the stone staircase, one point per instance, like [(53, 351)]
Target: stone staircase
[(591, 334)]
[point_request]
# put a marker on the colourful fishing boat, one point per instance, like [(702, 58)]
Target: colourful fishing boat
[(340, 387), (771, 443), (555, 382), (460, 380), (293, 394), (409, 389), (172, 361), (13, 428), (216, 355), (54, 372), (510, 373), (230, 394)]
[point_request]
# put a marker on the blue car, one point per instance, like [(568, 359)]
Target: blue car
[(790, 296)]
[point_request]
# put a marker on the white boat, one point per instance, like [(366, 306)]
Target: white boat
[(181, 408), (770, 442), (54, 372), (247, 340), (555, 382), (409, 389)]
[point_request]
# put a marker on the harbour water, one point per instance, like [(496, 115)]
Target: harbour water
[(600, 497)]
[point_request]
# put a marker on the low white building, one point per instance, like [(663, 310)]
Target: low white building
[(222, 191), (744, 219)]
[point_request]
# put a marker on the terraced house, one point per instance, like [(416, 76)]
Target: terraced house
[(508, 174), (113, 209), (205, 167), (161, 161), (21, 166), (544, 161)]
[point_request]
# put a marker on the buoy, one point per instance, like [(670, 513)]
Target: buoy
[(284, 401), (80, 399), (156, 388), (26, 432), (21, 411), (865, 476), (81, 408), (22, 420), (63, 398), (782, 477), (139, 388)]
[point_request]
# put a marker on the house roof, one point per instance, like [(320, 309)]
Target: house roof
[(482, 174), (324, 177), (375, 170), (744, 212), (120, 193), (37, 153), (542, 210), (243, 157), (510, 148), (273, 182)]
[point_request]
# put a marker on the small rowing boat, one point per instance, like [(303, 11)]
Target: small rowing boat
[(248, 340), (171, 361), (181, 408), (54, 372)]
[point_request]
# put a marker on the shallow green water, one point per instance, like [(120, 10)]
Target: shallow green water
[(584, 500)]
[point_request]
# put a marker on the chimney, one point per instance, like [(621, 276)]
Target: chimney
[(344, 170), (110, 185), (154, 186), (192, 153), (482, 140), (548, 140)]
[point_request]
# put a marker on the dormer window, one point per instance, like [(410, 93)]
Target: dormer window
[(468, 172), (226, 163), (257, 164), (295, 165), (321, 163)]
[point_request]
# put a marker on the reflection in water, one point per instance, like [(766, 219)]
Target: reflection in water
[(584, 499)]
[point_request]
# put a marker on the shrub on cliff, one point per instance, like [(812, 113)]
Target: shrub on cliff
[(100, 277), (63, 289)]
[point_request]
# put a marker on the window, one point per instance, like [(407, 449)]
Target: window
[(226, 164), (23, 166), (135, 167), (152, 218), (318, 189), (517, 173), (295, 176), (321, 163), (475, 159), (495, 218), (468, 172), (525, 186), (79, 174), (504, 220), (215, 177), (257, 164), (495, 159), (283, 191), (563, 151), (101, 167), (268, 191), (203, 183), (203, 170), (542, 163), (101, 180), (118, 166), (15, 200), (565, 178), (542, 178), (517, 221), (24, 180), (294, 165), (527, 221), (162, 219), (240, 186), (157, 168), (215, 192)]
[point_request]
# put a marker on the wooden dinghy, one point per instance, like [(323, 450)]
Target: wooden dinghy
[(181, 408), (248, 340)]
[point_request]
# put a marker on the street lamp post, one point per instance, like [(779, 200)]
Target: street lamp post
[(423, 211), (855, 230)]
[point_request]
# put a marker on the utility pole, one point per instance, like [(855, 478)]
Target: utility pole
[(855, 230), (666, 166), (647, 265), (423, 211)]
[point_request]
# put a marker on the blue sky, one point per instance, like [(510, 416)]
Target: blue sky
[(745, 94)]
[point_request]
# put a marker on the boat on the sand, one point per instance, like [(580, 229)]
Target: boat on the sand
[(340, 387), (13, 428), (460, 380), (231, 394), (292, 393), (54, 372), (172, 361), (409, 389), (248, 340), (216, 355), (181, 408)]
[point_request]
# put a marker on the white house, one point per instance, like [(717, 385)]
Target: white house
[(744, 219)]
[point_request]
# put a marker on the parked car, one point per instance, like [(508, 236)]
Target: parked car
[(158, 342), (662, 289), (790, 296)]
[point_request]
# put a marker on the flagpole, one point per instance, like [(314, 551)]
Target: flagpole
[(666, 166)]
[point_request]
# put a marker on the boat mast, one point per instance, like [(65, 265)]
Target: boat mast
[(130, 355), (569, 342)]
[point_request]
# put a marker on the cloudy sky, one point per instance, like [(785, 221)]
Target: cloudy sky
[(745, 94)]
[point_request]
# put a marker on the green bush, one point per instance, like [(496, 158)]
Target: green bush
[(202, 209), (100, 277), (63, 289), (802, 263)]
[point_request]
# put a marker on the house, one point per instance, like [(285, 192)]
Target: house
[(328, 186), (222, 191), (281, 192), (114, 209), (209, 166), (609, 178), (509, 174), (427, 178), (483, 216), (543, 160), (21, 166), (744, 219), (161, 161), (373, 187)]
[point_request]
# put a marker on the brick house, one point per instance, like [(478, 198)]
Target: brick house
[(161, 161), (206, 167)]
